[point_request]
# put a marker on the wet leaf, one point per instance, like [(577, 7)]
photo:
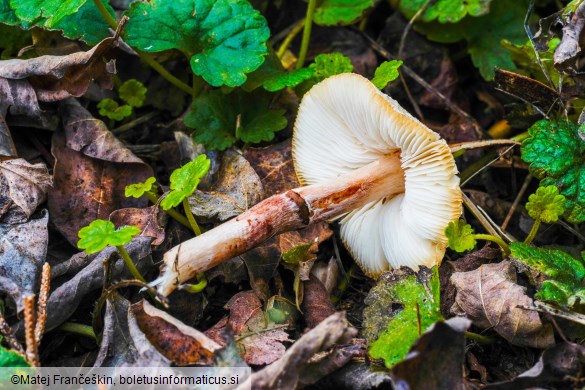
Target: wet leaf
[(58, 77), (184, 181), (91, 171), (489, 296), (150, 221), (23, 250), (178, 342), (235, 189), (123, 343), (224, 39), (24, 184), (399, 308), (439, 353), (340, 12), (100, 234)]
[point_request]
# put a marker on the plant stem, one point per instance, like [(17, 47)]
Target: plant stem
[(172, 212), (289, 38), (144, 56), (196, 288), (488, 237), (130, 264), (192, 222), (80, 329), (532, 232), (479, 338), (306, 34)]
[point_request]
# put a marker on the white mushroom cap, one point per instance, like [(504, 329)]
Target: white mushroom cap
[(345, 123)]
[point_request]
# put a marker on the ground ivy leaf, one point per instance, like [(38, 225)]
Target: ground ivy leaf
[(546, 205), (185, 180), (224, 39), (111, 109), (525, 58), (555, 152), (340, 12), (394, 308), (138, 189), (100, 233), (288, 79), (220, 119), (327, 65), (7, 14), (385, 73), (483, 35), (51, 11), (133, 92), (460, 236), (445, 11), (86, 24)]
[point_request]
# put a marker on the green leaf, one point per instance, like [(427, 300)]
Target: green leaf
[(556, 153), (288, 79), (555, 264), (386, 72), (86, 24), (50, 12), (7, 14), (10, 358), (546, 205), (185, 180), (417, 303), (219, 119), (224, 39), (327, 65), (137, 190), (525, 58), (110, 109), (483, 35), (340, 12), (133, 92), (100, 233), (460, 236), (445, 11), (297, 254), (553, 291)]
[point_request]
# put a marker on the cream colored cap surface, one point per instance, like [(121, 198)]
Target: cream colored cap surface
[(345, 123)]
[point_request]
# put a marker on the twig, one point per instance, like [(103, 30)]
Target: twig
[(548, 309), (134, 123), (42, 303), (32, 352), (481, 144), (516, 201), (478, 214), (9, 336)]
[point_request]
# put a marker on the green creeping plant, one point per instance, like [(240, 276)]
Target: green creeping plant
[(462, 238)]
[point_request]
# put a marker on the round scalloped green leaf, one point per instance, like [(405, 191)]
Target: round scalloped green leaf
[(101, 233), (185, 180), (133, 92), (445, 11), (86, 24), (51, 11), (546, 205), (340, 12), (138, 189), (460, 236), (225, 39), (111, 109), (556, 153), (385, 73)]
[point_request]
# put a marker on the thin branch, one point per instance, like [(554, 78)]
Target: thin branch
[(516, 201)]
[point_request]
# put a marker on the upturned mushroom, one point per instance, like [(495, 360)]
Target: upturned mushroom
[(362, 157)]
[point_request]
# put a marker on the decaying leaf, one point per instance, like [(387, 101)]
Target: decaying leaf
[(568, 52), (58, 77), (19, 98), (23, 249), (178, 342), (288, 371), (259, 340), (92, 170), (7, 147), (123, 343), (435, 361), (64, 300), (150, 221), (24, 185), (237, 188), (489, 296), (316, 304)]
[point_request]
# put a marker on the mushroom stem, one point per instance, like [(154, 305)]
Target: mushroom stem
[(290, 210)]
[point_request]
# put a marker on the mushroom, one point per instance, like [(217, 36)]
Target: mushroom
[(362, 157)]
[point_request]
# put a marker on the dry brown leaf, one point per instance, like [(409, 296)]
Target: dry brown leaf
[(92, 169), (58, 77), (7, 147), (19, 99), (23, 184), (150, 221), (316, 304), (236, 188), (178, 342), (489, 296)]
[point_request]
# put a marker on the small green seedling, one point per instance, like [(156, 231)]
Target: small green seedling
[(461, 237), (112, 110), (100, 234), (197, 287), (546, 205), (133, 92), (142, 189), (184, 181)]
